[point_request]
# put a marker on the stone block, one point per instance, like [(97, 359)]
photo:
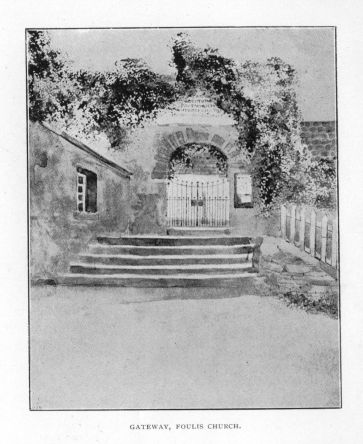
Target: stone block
[(297, 268), (180, 137), (172, 140), (158, 175), (167, 144), (218, 140), (201, 136), (321, 281), (271, 266), (190, 134)]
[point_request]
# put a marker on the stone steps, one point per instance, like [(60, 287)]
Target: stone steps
[(158, 270), (173, 241), (200, 232), (152, 250), (176, 280), (164, 261)]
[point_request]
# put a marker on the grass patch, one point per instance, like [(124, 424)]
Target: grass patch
[(328, 304)]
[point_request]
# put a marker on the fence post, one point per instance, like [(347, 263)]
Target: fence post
[(302, 228), (312, 232), (334, 254), (324, 229), (292, 224), (283, 221), (256, 255)]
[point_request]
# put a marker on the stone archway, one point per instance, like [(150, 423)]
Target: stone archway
[(171, 137), (171, 141)]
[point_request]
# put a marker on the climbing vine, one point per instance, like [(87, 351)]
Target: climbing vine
[(123, 98), (93, 102), (51, 85), (261, 97)]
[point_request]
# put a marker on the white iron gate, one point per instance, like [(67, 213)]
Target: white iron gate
[(198, 201)]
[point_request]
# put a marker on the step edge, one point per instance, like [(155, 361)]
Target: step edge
[(166, 236), (170, 256), (161, 267), (146, 276), (170, 246)]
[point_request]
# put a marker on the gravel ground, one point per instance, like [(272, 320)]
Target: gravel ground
[(120, 348)]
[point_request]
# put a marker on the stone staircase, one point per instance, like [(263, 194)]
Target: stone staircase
[(165, 261)]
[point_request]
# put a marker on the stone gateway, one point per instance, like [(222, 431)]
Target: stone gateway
[(87, 213)]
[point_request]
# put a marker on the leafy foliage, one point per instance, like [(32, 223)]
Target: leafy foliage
[(51, 85), (261, 98), (93, 102), (123, 98), (320, 184)]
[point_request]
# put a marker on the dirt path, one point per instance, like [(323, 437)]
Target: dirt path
[(157, 348)]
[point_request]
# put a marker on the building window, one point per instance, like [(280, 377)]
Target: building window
[(86, 191)]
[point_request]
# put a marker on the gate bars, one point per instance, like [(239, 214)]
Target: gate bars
[(198, 203)]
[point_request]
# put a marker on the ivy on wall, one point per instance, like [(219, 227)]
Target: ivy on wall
[(92, 102), (260, 96), (262, 99)]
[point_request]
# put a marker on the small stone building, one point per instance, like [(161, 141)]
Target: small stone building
[(74, 194)]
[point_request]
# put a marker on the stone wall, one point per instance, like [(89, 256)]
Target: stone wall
[(320, 137), (58, 232)]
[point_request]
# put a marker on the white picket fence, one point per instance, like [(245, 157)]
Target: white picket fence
[(313, 231)]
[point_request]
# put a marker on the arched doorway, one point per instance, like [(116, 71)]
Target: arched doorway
[(197, 187)]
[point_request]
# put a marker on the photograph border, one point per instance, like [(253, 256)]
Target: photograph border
[(334, 27)]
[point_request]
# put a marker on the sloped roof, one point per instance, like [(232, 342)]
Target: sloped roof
[(91, 152)]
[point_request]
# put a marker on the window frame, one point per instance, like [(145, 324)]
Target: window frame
[(81, 194), (84, 179)]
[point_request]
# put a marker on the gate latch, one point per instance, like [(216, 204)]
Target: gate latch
[(195, 202)]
